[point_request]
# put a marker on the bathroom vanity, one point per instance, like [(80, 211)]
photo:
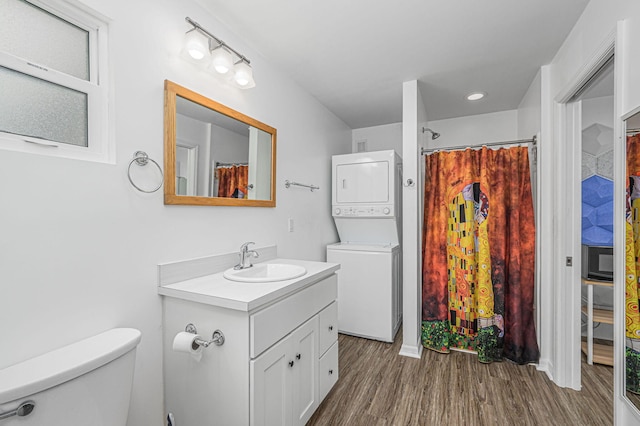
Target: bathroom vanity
[(280, 355)]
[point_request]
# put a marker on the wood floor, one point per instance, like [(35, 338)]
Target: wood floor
[(379, 387)]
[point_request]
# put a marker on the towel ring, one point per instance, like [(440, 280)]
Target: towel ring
[(142, 159)]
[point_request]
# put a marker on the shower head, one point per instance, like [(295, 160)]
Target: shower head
[(434, 135)]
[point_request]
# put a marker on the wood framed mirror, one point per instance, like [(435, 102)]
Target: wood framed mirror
[(214, 155)]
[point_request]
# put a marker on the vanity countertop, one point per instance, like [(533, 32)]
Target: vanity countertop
[(215, 290)]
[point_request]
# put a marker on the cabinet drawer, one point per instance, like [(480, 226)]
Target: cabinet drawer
[(328, 371), (273, 323), (328, 327)]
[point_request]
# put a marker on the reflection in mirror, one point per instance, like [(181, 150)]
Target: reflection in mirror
[(215, 155), (632, 261), (186, 169)]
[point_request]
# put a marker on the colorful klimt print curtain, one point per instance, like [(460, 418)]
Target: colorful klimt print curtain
[(632, 262), (479, 254), (232, 181)]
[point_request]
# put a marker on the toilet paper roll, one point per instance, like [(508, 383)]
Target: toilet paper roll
[(186, 342)]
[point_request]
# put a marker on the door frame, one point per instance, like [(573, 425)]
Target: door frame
[(566, 358)]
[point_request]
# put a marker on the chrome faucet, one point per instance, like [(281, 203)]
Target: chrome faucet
[(245, 256)]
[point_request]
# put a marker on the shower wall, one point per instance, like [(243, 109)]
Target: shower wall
[(470, 130)]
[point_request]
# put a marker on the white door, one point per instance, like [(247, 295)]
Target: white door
[(570, 209), (305, 373), (271, 379), (362, 182), (186, 168)]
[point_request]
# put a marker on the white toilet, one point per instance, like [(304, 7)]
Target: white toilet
[(86, 383)]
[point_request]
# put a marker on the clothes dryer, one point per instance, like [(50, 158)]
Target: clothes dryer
[(366, 197)]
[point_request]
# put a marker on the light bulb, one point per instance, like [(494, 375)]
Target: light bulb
[(476, 96), (196, 45), (244, 75), (221, 60)]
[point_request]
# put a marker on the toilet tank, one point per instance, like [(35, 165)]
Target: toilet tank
[(85, 383)]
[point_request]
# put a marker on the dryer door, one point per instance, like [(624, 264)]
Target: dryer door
[(362, 182)]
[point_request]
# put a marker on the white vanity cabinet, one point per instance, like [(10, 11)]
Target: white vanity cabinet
[(284, 384), (290, 379), (279, 359)]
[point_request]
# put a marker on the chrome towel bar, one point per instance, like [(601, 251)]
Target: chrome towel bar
[(288, 183)]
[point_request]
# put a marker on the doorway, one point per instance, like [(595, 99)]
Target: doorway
[(597, 218), (592, 122)]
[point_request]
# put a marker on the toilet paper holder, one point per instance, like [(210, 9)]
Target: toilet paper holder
[(217, 337)]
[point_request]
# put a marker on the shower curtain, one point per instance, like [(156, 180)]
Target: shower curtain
[(479, 254), (232, 181), (632, 265)]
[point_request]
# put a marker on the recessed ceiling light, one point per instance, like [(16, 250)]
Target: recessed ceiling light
[(475, 96)]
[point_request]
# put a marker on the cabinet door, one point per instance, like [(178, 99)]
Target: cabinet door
[(328, 371), (328, 331), (271, 379), (362, 182), (305, 371)]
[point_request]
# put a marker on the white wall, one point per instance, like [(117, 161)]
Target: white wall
[(80, 245), (598, 110), (529, 110), (474, 129), (379, 138), (414, 116), (228, 146)]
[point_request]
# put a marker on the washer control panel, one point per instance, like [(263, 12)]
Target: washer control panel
[(364, 211)]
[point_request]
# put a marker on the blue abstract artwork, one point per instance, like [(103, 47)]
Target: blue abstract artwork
[(597, 211)]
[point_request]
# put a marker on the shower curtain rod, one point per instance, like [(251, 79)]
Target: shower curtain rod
[(533, 140), (219, 164), (633, 131)]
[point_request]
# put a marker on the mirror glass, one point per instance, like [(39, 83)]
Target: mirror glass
[(632, 261), (215, 155)]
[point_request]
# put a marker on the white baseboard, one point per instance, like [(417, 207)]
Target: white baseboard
[(411, 351)]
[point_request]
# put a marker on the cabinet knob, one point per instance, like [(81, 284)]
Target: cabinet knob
[(290, 363), (330, 372), (330, 328), (298, 356)]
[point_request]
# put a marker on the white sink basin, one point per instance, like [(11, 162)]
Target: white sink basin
[(265, 273)]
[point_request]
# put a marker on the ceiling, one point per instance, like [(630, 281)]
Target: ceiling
[(353, 56)]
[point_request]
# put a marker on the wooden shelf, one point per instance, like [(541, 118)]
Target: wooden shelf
[(600, 315), (594, 282), (598, 353), (602, 354)]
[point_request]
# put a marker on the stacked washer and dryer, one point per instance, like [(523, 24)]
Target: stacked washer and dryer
[(366, 204)]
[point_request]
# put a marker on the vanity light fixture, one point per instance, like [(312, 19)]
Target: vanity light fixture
[(202, 47), (475, 96), (196, 45), (244, 74), (221, 60)]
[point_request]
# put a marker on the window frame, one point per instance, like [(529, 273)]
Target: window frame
[(100, 144)]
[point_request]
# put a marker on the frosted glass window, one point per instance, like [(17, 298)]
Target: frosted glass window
[(54, 80), (33, 107), (27, 31)]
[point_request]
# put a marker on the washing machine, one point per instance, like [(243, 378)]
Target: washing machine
[(369, 291), (366, 208)]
